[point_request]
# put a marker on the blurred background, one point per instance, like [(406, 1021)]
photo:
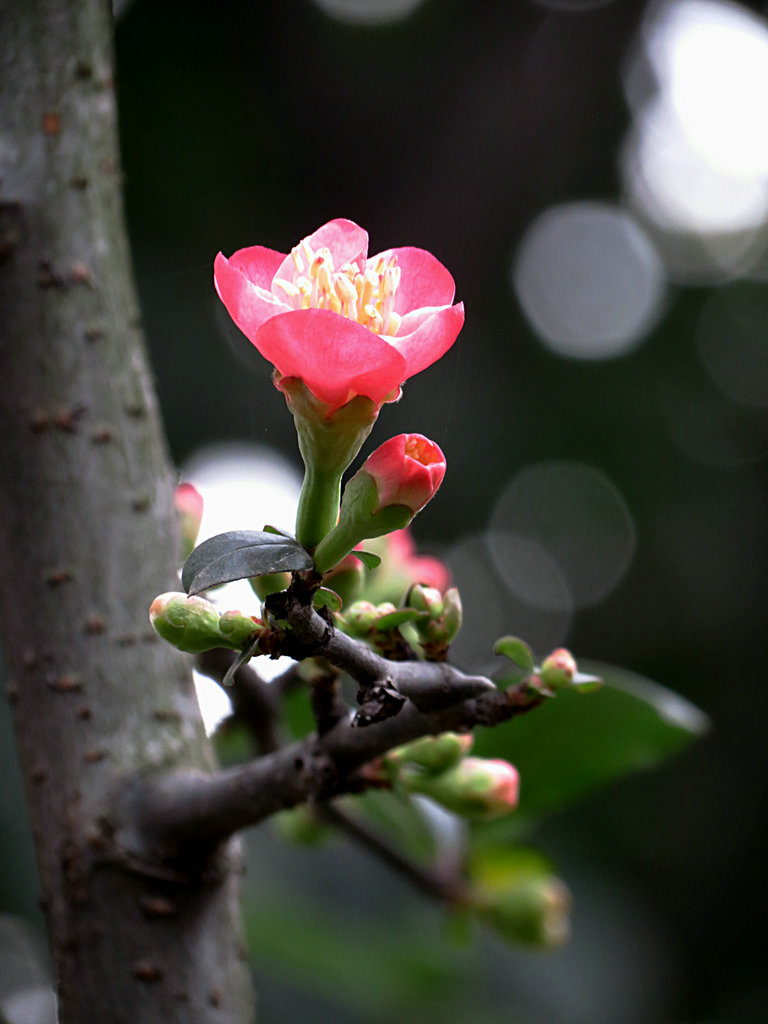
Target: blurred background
[(594, 174)]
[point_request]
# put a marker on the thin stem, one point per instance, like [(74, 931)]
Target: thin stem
[(448, 891), (318, 505)]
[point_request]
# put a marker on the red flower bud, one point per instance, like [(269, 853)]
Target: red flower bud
[(384, 495), (407, 470)]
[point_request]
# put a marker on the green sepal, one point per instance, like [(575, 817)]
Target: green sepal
[(327, 598)]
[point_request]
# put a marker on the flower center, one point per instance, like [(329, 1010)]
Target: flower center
[(367, 296)]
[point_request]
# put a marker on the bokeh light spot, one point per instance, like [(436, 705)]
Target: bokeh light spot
[(696, 161), (573, 6), (589, 280), (368, 12), (577, 515), (712, 60)]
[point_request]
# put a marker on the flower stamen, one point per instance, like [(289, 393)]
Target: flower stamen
[(366, 296)]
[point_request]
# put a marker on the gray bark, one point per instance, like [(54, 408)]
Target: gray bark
[(86, 542)]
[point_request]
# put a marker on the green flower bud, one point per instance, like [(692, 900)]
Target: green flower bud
[(532, 910), (190, 624), (237, 629), (558, 670), (272, 583), (425, 599), (434, 753), (359, 619)]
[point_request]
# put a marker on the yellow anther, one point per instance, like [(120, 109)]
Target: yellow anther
[(392, 325), (375, 320), (367, 290), (323, 276), (307, 250), (297, 261), (345, 289), (288, 287)]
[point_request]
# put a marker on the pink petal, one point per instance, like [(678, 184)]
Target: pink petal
[(249, 304), (347, 241), (258, 263), (431, 338), (424, 280), (335, 357)]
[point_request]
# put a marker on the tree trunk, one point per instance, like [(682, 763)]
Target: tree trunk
[(86, 542)]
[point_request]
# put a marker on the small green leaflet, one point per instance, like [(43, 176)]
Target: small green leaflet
[(239, 555), (516, 650)]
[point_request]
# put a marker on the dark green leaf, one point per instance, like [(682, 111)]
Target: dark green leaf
[(239, 555), (574, 744), (369, 560), (516, 650)]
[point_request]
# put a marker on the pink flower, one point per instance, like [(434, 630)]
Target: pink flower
[(407, 470), (344, 323)]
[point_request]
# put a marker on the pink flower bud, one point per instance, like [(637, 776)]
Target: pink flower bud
[(407, 470), (559, 669), (188, 503), (384, 495), (475, 788)]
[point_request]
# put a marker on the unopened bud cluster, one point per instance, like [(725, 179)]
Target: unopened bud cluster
[(428, 622), (439, 621), (194, 625), (438, 767)]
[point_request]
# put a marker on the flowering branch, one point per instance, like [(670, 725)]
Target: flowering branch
[(185, 811)]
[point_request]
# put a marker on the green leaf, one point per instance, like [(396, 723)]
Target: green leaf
[(239, 555), (276, 530), (572, 745), (368, 558), (516, 650)]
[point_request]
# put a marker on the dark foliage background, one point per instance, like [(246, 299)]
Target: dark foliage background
[(254, 121)]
